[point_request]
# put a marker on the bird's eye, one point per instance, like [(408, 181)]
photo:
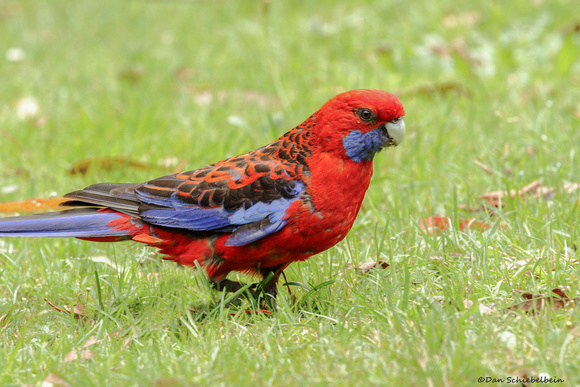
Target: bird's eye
[(365, 114)]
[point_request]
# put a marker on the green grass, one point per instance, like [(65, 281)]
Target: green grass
[(494, 82)]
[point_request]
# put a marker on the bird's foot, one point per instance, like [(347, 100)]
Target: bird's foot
[(263, 293), (234, 287)]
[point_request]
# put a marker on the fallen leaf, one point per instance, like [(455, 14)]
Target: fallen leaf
[(535, 303), (107, 164), (465, 207), (74, 355), (91, 341), (184, 73), (54, 380), (436, 224), (126, 343), (494, 198), (133, 74), (439, 89), (534, 190), (78, 310), (31, 205), (364, 268), (169, 382), (256, 311)]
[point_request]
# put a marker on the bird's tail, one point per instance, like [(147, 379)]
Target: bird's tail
[(78, 222)]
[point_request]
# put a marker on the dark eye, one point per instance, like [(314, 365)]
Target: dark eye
[(366, 114)]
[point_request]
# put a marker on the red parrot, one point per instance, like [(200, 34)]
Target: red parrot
[(254, 213)]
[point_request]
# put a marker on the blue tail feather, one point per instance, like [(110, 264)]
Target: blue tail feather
[(81, 222)]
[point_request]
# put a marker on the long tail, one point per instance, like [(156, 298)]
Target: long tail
[(78, 222)]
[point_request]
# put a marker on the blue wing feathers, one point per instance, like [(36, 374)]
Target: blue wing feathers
[(191, 218), (71, 223)]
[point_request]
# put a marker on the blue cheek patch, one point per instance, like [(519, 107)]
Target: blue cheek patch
[(361, 146)]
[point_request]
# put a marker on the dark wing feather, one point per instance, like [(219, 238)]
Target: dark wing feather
[(118, 196)]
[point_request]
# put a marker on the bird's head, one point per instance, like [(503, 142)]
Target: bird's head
[(357, 124)]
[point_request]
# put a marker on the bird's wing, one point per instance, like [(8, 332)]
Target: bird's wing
[(246, 196)]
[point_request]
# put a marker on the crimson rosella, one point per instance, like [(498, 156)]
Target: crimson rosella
[(254, 213)]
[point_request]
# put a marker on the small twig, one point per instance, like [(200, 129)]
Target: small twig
[(487, 169)]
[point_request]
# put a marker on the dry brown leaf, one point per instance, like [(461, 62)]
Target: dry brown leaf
[(132, 74), (91, 341), (126, 343), (495, 197), (54, 380), (107, 164), (78, 310), (31, 205), (465, 207), (439, 89), (436, 224), (364, 268), (184, 73), (170, 382), (534, 303), (74, 355), (534, 190)]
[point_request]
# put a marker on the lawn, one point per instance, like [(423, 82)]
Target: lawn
[(492, 98)]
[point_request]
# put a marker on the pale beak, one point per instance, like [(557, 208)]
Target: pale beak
[(396, 131)]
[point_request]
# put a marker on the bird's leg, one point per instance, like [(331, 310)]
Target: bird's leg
[(270, 284), (232, 287)]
